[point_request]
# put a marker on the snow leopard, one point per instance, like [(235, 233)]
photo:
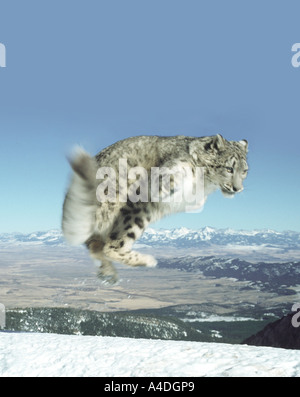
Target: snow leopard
[(109, 227)]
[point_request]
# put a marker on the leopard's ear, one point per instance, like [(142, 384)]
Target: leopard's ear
[(244, 144), (218, 142)]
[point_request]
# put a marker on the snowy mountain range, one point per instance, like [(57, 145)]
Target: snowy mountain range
[(181, 237), (211, 236)]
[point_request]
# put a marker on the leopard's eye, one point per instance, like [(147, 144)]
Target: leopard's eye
[(229, 170)]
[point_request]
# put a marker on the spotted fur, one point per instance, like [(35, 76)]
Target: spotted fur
[(109, 229)]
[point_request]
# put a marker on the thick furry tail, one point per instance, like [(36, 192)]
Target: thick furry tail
[(79, 210)]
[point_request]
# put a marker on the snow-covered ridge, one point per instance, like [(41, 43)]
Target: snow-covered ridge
[(50, 237), (209, 236), (177, 237), (33, 354)]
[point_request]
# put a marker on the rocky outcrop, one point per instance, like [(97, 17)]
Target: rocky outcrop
[(284, 333)]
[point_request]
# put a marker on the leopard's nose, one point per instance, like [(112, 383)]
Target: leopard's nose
[(236, 189)]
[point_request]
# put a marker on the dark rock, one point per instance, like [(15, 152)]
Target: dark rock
[(281, 333)]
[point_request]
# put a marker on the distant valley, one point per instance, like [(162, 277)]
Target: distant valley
[(224, 283), (279, 278)]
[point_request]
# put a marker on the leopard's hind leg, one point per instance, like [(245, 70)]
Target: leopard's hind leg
[(127, 228), (107, 272)]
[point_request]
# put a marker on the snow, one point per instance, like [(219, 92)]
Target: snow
[(33, 354), (205, 317)]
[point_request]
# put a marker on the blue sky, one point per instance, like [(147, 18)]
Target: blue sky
[(93, 72)]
